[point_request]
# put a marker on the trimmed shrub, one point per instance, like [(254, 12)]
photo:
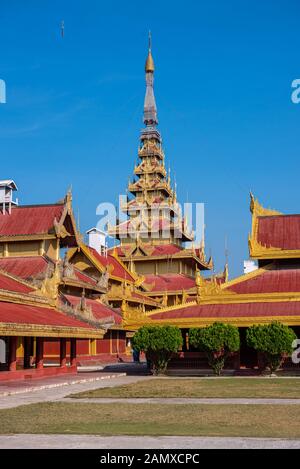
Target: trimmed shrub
[(217, 341), (273, 340), (158, 343)]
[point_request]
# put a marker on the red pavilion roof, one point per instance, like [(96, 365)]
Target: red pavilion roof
[(100, 311), (24, 267), (279, 231), (231, 310), (169, 282), (11, 284), (118, 269), (27, 314), (29, 220), (269, 281)]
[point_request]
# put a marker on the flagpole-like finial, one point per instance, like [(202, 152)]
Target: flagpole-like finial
[(149, 41)]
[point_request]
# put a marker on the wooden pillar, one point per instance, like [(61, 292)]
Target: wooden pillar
[(63, 353), (27, 352), (12, 354), (39, 353), (73, 360)]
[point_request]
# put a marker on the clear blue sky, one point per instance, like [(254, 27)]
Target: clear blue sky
[(223, 86)]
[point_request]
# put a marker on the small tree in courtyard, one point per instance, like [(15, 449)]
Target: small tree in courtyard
[(158, 343), (273, 340), (218, 341)]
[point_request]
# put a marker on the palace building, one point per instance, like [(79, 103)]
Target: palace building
[(60, 299), (65, 301), (269, 293)]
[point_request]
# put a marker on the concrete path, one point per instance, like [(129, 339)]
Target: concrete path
[(175, 400), (29, 385), (141, 442), (56, 393)]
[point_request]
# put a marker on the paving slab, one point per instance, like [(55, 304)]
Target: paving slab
[(53, 392), (141, 442)]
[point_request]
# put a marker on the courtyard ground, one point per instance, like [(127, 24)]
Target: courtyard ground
[(146, 412), (281, 388)]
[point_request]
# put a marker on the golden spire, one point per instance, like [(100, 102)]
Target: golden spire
[(149, 67)]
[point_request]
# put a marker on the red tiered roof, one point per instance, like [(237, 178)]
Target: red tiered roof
[(26, 314), (24, 267), (29, 220), (169, 282), (84, 278), (231, 310), (100, 311), (277, 280), (279, 231), (10, 284), (118, 269)]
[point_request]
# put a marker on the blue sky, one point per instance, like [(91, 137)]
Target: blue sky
[(223, 89)]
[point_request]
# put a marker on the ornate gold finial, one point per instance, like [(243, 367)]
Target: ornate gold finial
[(149, 67), (226, 272)]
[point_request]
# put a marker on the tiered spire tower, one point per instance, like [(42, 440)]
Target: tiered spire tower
[(153, 208)]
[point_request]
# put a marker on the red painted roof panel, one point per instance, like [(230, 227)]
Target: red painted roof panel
[(26, 314), (219, 311), (271, 281), (279, 231), (100, 310), (24, 267), (118, 269), (28, 220), (169, 282), (10, 284)]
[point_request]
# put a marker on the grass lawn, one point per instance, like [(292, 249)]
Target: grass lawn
[(151, 419), (202, 387)]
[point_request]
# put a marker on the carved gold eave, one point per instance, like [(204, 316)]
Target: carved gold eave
[(258, 251), (186, 323), (31, 237), (180, 255), (34, 330), (24, 298), (170, 292), (87, 286), (60, 229)]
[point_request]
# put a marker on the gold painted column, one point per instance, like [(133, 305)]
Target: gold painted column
[(12, 354)]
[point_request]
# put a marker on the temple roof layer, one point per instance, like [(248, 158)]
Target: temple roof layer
[(46, 322), (279, 231), (273, 235), (29, 220), (117, 268), (24, 267), (169, 282), (246, 311), (9, 283), (100, 311), (271, 279)]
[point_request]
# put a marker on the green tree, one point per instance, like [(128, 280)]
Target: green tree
[(218, 341), (158, 343), (273, 340)]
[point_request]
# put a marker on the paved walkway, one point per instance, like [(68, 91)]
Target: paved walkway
[(141, 442), (57, 391), (176, 400)]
